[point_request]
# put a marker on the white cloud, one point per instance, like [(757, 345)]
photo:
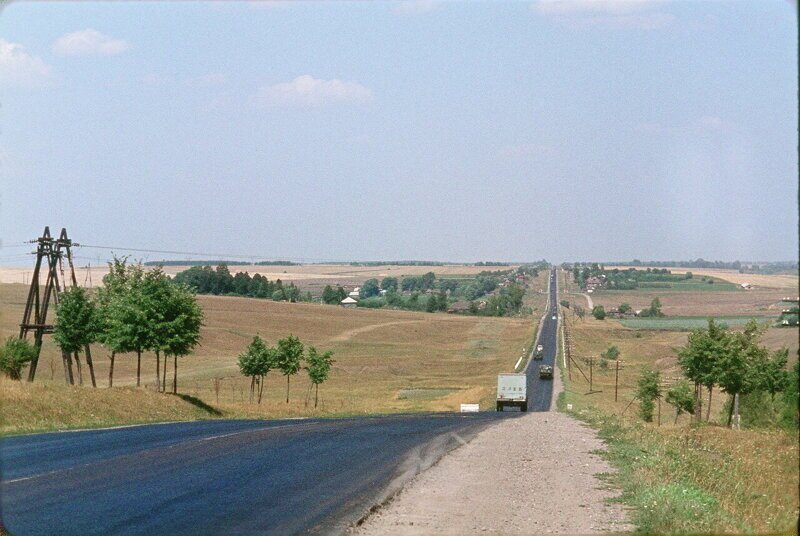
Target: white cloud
[(611, 14), (89, 42), (414, 7), (20, 69), (306, 90)]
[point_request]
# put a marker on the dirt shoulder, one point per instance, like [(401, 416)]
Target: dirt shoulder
[(531, 475)]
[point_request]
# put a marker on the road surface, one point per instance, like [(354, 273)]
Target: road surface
[(219, 477), (541, 391)]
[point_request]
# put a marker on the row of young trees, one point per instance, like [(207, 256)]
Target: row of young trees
[(286, 356), (734, 362), (135, 311)]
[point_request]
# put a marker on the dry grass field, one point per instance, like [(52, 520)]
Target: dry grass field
[(386, 360), (757, 302)]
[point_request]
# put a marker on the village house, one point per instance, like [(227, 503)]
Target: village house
[(349, 302), (592, 283)]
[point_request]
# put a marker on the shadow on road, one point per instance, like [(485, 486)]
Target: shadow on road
[(193, 400)]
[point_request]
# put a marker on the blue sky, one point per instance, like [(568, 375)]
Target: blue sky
[(606, 129)]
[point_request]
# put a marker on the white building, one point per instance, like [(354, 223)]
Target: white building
[(349, 302)]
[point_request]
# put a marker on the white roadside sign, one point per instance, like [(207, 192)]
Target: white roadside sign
[(470, 408)]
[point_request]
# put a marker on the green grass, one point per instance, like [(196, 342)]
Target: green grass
[(689, 285), (687, 323), (705, 480)]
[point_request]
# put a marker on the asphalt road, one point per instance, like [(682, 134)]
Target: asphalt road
[(219, 477), (540, 392)]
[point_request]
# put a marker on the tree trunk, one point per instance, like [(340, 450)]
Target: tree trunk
[(677, 413), (316, 396), (736, 418), (175, 375), (252, 388), (659, 411), (698, 405), (138, 368), (65, 357), (287, 388), (730, 411), (260, 389), (111, 370), (88, 352), (164, 376), (708, 409), (80, 370), (158, 370)]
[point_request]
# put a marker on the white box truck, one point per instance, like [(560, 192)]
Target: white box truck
[(512, 391)]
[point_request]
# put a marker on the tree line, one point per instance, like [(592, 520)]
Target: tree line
[(220, 281), (287, 356), (736, 363), (135, 311)]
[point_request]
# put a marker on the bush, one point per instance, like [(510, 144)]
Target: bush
[(599, 312), (14, 355)]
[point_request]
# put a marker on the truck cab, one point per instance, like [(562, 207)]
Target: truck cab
[(512, 391)]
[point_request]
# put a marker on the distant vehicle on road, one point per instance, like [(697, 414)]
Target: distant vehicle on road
[(546, 372), (512, 391), (539, 353)]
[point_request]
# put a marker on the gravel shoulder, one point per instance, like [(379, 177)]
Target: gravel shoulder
[(531, 475)]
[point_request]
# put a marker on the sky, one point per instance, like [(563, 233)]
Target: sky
[(450, 131)]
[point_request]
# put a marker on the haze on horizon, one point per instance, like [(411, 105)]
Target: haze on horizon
[(450, 131)]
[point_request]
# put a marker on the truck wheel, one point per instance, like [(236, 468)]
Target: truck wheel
[(524, 407), (499, 406)]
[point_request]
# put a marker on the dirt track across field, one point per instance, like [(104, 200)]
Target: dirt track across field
[(532, 475)]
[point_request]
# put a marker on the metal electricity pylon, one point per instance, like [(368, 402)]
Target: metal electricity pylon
[(50, 253)]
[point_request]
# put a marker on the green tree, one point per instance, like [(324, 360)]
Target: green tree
[(319, 366), (579, 311), (681, 397), (288, 358), (701, 357), (330, 296), (599, 312), (624, 308), (183, 318), (157, 290), (77, 326), (14, 355), (739, 368), (774, 378), (110, 299), (389, 284), (256, 362), (654, 310), (565, 304), (370, 288), (648, 391)]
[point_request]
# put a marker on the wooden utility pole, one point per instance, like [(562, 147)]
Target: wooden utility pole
[(34, 318), (591, 366), (616, 381)]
